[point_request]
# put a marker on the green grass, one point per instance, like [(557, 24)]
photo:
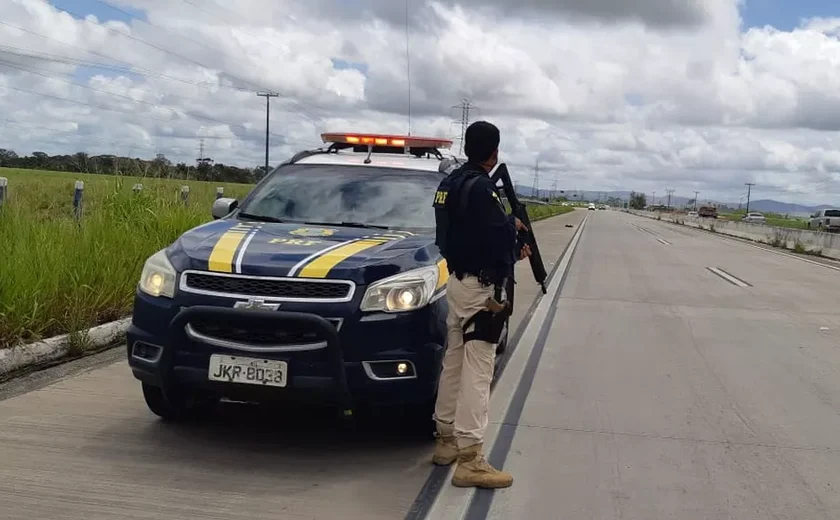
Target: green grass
[(539, 212), (58, 275), (773, 219)]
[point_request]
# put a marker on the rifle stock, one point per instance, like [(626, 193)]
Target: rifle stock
[(519, 211)]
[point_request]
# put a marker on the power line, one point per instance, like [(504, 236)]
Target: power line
[(294, 102), (66, 60), (129, 98), (153, 46), (59, 98)]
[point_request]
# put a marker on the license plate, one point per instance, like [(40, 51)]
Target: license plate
[(249, 371)]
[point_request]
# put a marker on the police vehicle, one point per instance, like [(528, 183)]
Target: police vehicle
[(324, 284)]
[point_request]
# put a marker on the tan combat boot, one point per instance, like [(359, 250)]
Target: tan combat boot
[(446, 451), (473, 470)]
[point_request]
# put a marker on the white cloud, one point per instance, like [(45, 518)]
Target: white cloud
[(663, 94)]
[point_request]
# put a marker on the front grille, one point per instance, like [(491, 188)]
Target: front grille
[(288, 334), (267, 287)]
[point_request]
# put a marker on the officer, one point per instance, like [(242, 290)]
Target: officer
[(479, 242)]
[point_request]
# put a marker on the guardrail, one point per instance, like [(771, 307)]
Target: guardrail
[(797, 240)]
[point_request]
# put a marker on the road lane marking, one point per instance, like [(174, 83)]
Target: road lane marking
[(728, 277), (662, 240), (749, 243)]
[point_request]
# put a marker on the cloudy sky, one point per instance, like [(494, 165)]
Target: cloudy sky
[(606, 94)]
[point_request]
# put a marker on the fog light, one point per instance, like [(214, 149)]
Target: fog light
[(402, 368)]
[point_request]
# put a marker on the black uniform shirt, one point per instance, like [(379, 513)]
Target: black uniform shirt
[(483, 237)]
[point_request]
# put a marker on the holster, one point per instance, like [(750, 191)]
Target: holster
[(489, 322)]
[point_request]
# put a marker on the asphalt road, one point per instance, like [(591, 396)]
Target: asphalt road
[(77, 442), (667, 389)]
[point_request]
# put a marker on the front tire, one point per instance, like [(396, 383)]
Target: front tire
[(177, 405)]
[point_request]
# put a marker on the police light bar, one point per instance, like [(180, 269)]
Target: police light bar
[(402, 141)]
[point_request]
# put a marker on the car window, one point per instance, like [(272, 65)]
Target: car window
[(327, 194), (832, 213)]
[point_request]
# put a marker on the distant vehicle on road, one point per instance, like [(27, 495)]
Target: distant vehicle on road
[(754, 218), (591, 207), (603, 206), (825, 220), (693, 214), (707, 212)]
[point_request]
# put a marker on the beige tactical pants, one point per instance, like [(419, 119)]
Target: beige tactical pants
[(464, 387)]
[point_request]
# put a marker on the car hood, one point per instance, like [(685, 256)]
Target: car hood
[(294, 250)]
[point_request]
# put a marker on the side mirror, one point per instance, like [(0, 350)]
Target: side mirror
[(223, 206)]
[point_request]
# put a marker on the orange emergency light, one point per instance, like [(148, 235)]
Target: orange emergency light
[(402, 141)]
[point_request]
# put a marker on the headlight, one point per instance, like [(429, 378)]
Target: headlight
[(158, 277), (407, 291)]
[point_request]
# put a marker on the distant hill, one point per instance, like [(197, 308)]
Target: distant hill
[(784, 208), (763, 205)]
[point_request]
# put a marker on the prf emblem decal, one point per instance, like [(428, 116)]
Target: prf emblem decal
[(440, 197), (312, 232)]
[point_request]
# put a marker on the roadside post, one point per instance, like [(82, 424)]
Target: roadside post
[(78, 194), (4, 185), (185, 194), (220, 192)]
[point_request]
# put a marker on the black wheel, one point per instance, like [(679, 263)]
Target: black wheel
[(178, 405)]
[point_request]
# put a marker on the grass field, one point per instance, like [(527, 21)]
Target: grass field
[(58, 275), (773, 219)]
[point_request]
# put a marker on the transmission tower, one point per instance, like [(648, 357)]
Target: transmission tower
[(669, 191), (465, 107), (201, 158)]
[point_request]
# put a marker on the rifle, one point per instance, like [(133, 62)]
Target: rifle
[(519, 211)]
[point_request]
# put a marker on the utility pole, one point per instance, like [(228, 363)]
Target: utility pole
[(554, 188), (749, 186), (669, 191), (465, 107), (696, 193), (536, 191), (267, 96)]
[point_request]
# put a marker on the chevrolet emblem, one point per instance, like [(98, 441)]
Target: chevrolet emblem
[(256, 304)]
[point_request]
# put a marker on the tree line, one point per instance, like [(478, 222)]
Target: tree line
[(159, 167)]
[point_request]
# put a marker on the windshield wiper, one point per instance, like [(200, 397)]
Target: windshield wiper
[(261, 218), (347, 224)]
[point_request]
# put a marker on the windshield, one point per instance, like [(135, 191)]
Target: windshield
[(832, 213), (335, 194)]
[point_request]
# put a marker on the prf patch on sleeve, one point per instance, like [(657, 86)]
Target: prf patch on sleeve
[(440, 198)]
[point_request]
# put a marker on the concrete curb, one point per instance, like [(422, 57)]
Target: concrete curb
[(52, 349)]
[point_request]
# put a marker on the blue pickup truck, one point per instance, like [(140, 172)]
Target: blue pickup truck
[(323, 284)]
